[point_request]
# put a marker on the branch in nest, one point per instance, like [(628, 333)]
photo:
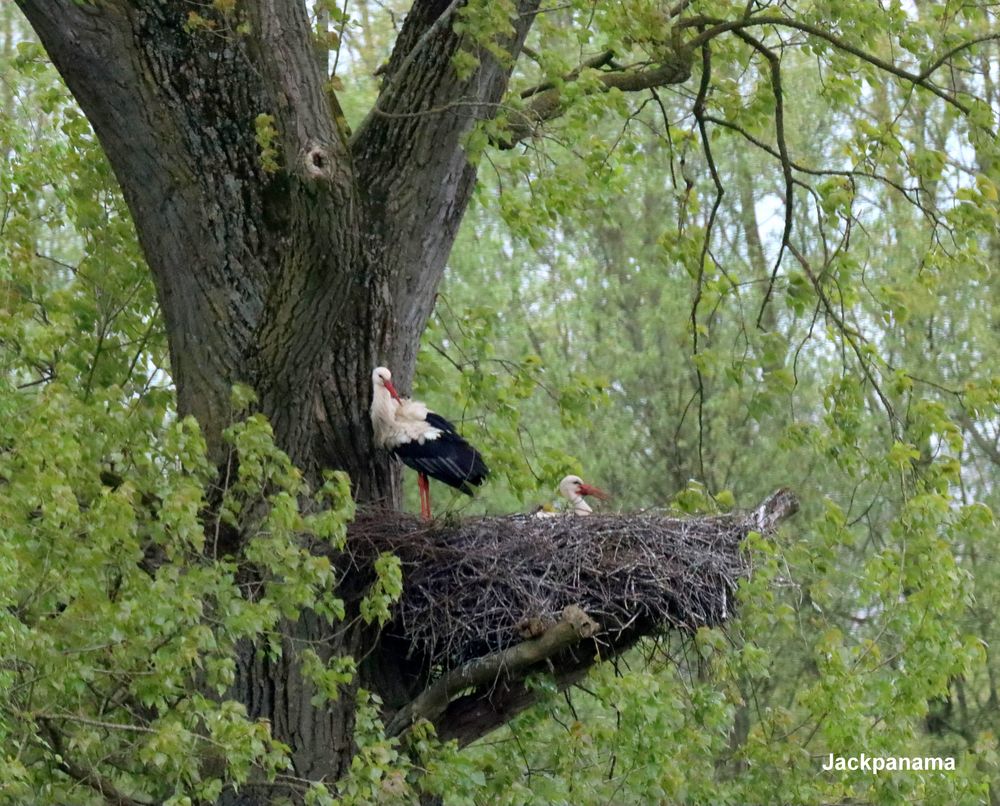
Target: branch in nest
[(476, 714), (434, 700), (778, 506)]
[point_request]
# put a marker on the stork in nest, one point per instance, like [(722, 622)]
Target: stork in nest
[(573, 489)]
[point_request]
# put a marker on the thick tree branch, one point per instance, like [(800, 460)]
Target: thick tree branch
[(474, 715), (490, 670), (594, 62), (549, 103), (315, 146), (413, 168), (436, 26), (251, 263), (307, 294), (145, 108), (777, 507)]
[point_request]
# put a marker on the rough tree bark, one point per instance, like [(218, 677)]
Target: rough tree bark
[(295, 281)]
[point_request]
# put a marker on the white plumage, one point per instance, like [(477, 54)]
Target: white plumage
[(397, 420)]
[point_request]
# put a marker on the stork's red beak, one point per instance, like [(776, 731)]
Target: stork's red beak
[(392, 390), (586, 489)]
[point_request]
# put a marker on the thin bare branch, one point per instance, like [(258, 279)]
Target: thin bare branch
[(699, 113), (774, 63), (948, 54), (849, 336)]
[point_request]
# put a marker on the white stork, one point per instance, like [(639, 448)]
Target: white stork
[(425, 441), (573, 489)]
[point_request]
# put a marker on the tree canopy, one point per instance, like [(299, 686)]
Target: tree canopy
[(692, 252)]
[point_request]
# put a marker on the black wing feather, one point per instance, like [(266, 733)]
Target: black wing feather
[(449, 458), (437, 421)]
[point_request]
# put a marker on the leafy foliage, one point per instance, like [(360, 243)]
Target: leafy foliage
[(121, 612)]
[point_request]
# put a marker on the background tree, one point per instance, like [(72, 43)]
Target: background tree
[(291, 255)]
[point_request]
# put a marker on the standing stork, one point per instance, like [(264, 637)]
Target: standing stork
[(423, 440)]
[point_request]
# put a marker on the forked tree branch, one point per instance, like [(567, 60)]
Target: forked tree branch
[(594, 62)]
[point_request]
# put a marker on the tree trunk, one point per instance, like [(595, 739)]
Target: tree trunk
[(296, 281), (289, 256)]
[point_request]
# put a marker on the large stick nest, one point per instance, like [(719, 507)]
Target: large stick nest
[(477, 586)]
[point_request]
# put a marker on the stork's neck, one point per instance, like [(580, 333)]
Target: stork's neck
[(383, 414), (580, 507)]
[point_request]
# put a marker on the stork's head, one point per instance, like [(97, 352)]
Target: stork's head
[(573, 487), (381, 377)]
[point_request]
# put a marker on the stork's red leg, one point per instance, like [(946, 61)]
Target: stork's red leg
[(425, 496)]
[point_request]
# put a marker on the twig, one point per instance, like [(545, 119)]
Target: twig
[(786, 168), (699, 113)]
